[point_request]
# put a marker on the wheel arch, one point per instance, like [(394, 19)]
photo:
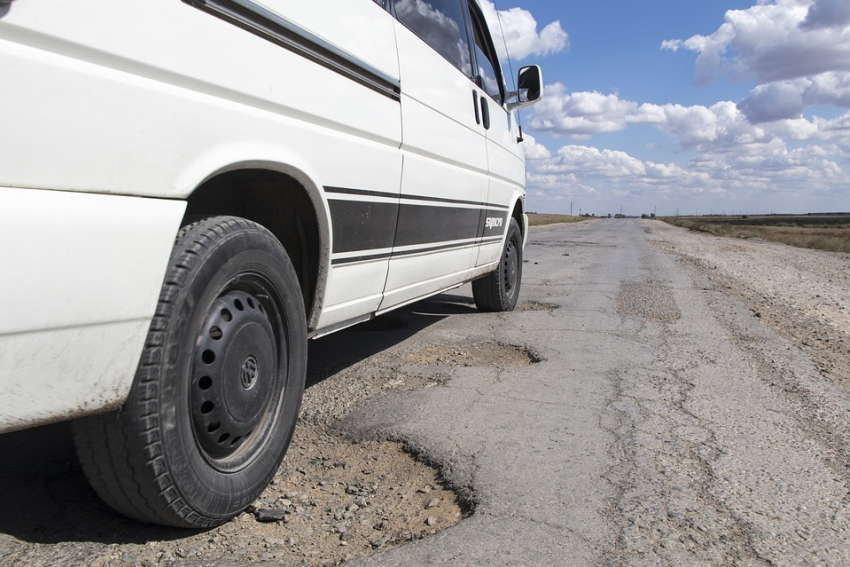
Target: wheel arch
[(518, 213), (286, 201)]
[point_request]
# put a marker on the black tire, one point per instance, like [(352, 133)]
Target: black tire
[(499, 290), (215, 399)]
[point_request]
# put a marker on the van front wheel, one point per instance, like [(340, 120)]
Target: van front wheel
[(499, 291), (216, 395)]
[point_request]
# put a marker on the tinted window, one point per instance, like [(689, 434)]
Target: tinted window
[(489, 77), (441, 25)]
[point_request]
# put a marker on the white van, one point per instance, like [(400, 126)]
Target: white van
[(190, 190)]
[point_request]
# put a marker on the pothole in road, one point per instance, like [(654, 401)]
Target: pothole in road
[(648, 300), (536, 306), (482, 354), (331, 501)]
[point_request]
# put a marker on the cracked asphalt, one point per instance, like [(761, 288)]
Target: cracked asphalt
[(628, 413), (665, 424)]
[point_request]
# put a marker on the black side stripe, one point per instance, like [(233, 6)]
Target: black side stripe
[(362, 225), (280, 31), (368, 225), (400, 254), (423, 198), (366, 230)]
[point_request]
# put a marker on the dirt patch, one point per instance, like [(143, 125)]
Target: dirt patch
[(536, 306), (331, 501), (650, 300), (484, 354)]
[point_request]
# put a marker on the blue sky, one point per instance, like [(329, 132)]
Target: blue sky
[(686, 105)]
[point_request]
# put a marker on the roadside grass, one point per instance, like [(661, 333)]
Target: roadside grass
[(535, 219), (820, 233)]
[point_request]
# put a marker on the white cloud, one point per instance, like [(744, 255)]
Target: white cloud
[(797, 50), (772, 111), (777, 41), (703, 128), (774, 101), (587, 163), (521, 34), (730, 154), (782, 100), (762, 149), (591, 162), (758, 172), (592, 177), (534, 150), (583, 114), (587, 113), (827, 14)]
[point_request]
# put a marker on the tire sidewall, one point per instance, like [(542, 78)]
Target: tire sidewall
[(510, 299), (214, 494)]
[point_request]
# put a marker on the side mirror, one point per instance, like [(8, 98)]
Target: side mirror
[(530, 85)]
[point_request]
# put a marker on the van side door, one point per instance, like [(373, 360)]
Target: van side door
[(444, 179), (505, 160)]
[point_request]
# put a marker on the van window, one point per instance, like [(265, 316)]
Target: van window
[(489, 76), (440, 23)]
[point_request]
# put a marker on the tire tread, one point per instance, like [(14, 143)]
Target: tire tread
[(116, 450), (488, 292)]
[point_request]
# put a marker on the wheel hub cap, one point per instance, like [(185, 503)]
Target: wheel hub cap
[(232, 374), (510, 268)]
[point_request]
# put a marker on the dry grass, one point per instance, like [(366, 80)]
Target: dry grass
[(535, 219), (812, 234)]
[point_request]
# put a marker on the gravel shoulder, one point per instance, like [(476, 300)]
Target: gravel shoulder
[(804, 295)]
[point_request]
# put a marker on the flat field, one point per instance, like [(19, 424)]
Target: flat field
[(828, 231)]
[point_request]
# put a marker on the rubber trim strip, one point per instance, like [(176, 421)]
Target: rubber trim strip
[(280, 31)]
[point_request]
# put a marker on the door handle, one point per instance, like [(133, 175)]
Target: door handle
[(475, 104), (485, 113)]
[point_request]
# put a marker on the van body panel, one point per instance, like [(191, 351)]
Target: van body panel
[(444, 182), (127, 100), (81, 280), (119, 114)]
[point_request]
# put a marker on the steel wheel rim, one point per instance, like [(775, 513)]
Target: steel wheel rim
[(238, 373), (511, 267)]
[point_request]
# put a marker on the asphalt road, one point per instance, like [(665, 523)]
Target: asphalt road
[(665, 425)]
